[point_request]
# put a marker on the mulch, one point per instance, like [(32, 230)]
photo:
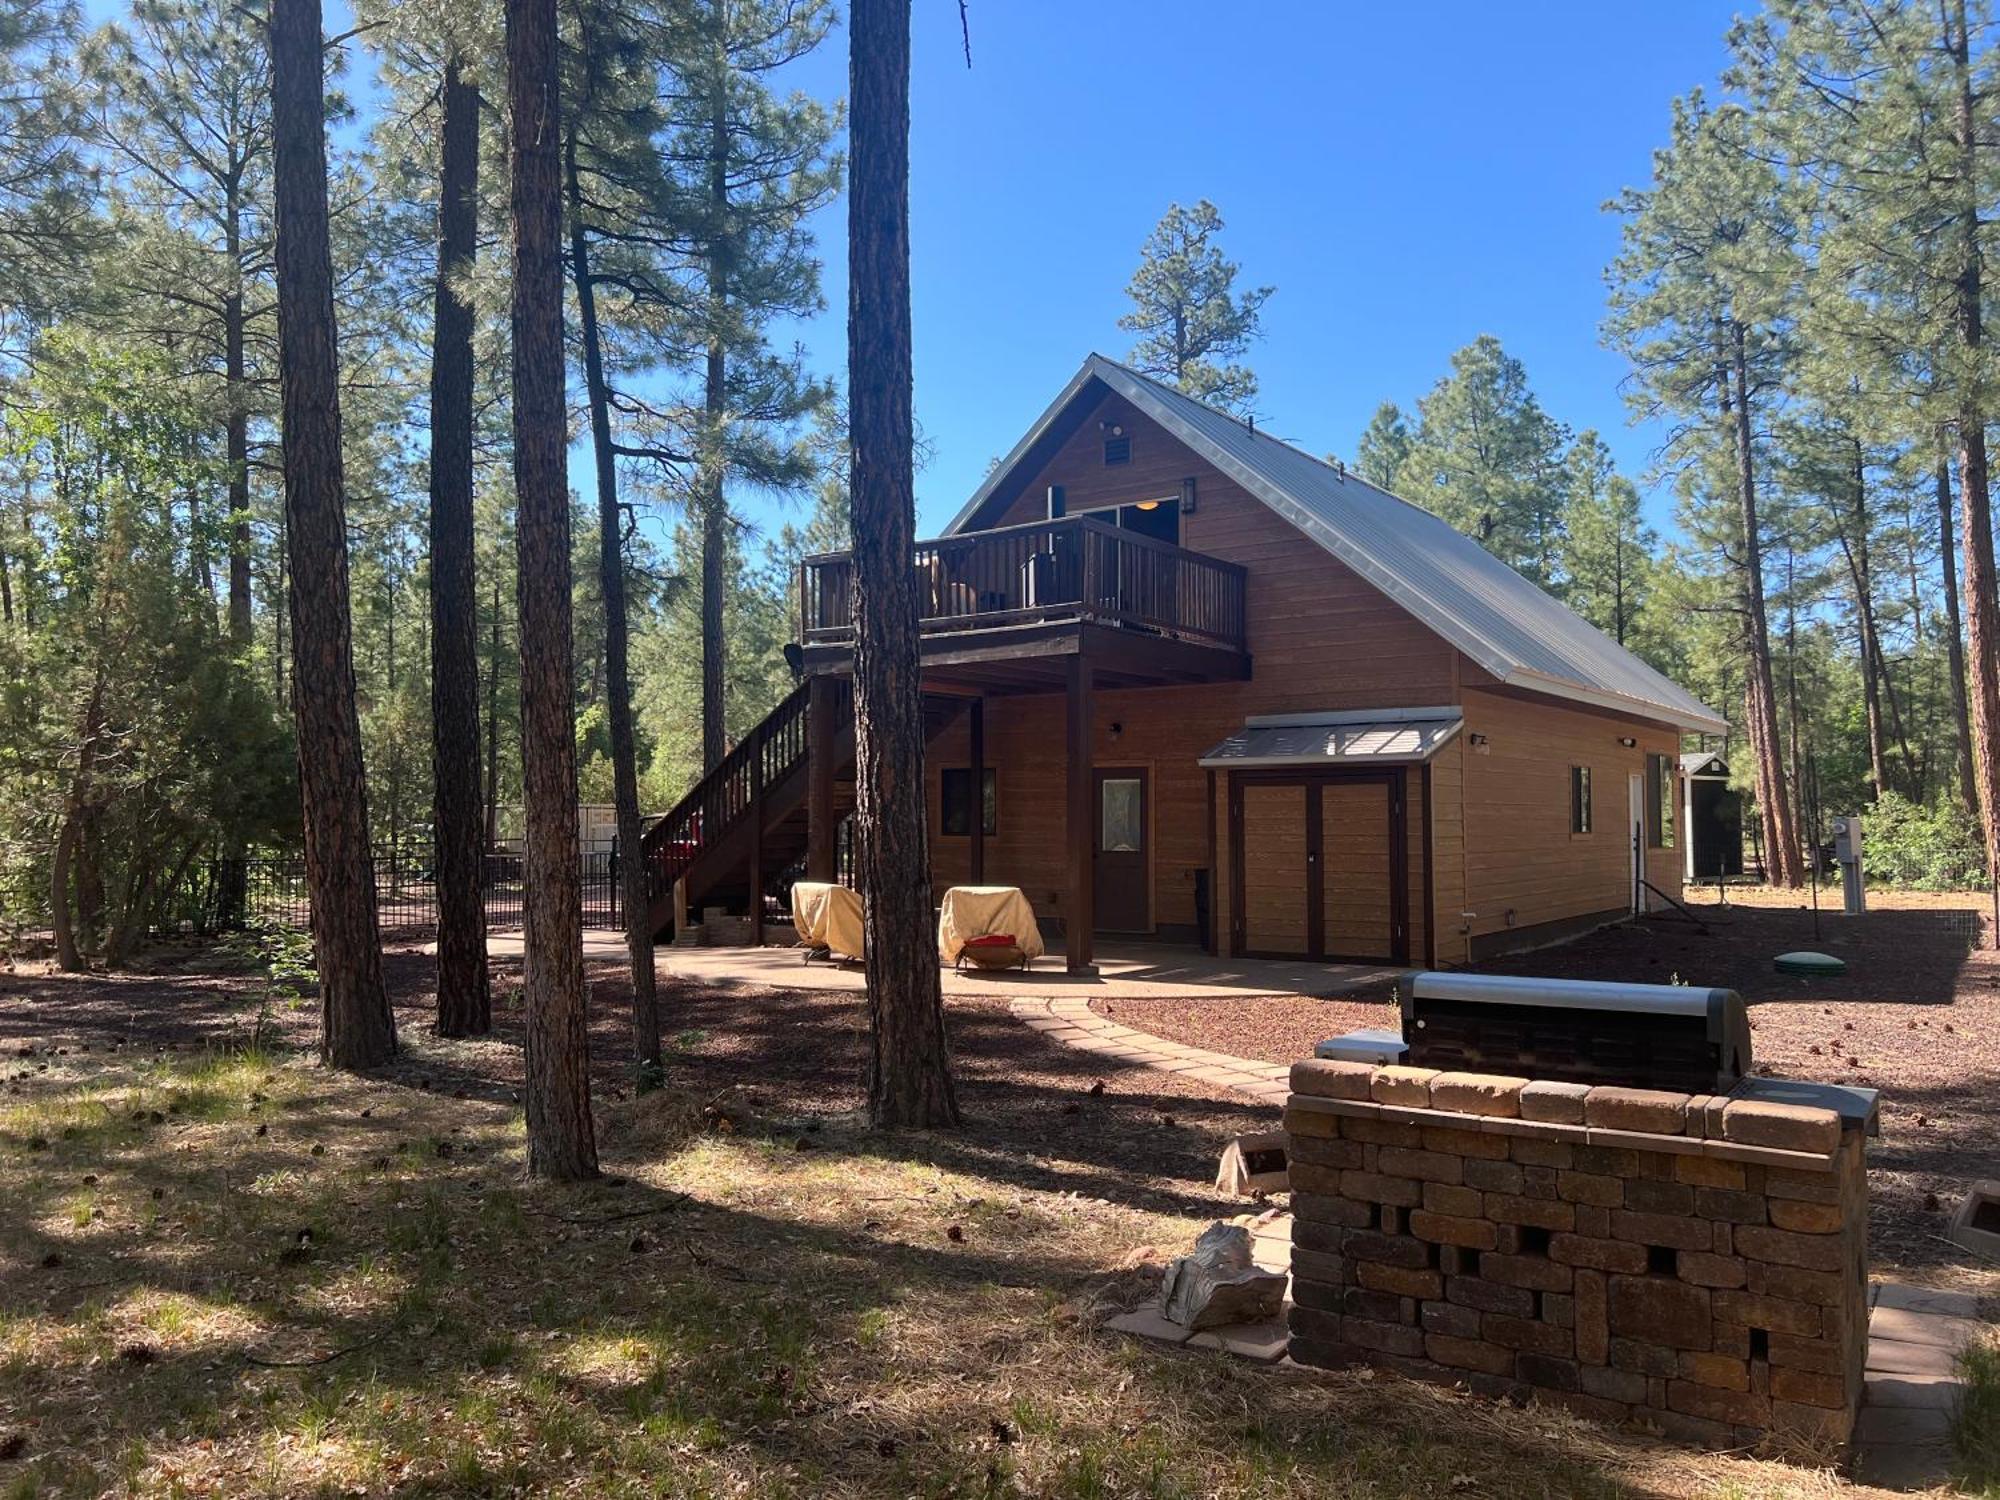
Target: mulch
[(1917, 1015)]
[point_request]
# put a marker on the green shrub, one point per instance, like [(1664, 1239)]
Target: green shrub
[(1922, 847)]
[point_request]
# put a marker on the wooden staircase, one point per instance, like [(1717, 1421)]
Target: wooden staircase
[(744, 826)]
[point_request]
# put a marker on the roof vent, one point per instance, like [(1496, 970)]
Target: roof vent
[(1118, 450)]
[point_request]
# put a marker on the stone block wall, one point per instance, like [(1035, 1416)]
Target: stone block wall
[(1695, 1263)]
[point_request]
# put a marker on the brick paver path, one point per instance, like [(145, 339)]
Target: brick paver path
[(1914, 1335), (1075, 1024)]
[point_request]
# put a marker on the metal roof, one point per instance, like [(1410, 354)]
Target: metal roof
[(1389, 736), (1514, 630), (1697, 762)]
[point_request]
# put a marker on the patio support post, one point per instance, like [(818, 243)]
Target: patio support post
[(976, 845), (1082, 913), (820, 851), (757, 844)]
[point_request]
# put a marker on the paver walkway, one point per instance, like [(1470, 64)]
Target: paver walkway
[(1912, 1384), (1074, 1023)]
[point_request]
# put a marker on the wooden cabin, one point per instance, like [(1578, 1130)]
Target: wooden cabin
[(1187, 682)]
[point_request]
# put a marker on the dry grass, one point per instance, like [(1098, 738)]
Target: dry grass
[(241, 1275)]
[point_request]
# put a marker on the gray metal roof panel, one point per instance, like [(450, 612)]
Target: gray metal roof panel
[(1444, 578), (1349, 739)]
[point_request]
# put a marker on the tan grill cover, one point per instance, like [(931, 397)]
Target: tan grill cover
[(828, 916), (971, 911)]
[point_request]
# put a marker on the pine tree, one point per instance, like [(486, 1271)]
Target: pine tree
[(1487, 458), (909, 1072), (750, 167), (1385, 447), (1882, 108), (184, 118), (1701, 302), (464, 997), (358, 1029), (1607, 549), (561, 1140), (1189, 317)]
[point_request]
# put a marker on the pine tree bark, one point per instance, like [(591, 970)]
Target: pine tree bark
[(561, 1141), (1760, 707), (464, 993), (909, 1074), (715, 400), (632, 890), (1982, 618), (1954, 639), (357, 1028), (236, 434)]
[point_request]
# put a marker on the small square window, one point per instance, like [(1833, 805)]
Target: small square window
[(955, 814), (1579, 799)]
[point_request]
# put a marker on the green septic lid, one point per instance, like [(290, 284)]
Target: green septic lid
[(1819, 965)]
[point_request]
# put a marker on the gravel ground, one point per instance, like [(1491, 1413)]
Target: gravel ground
[(1917, 1015)]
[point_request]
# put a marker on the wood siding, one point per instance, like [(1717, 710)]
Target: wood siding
[(1320, 638), (1274, 884)]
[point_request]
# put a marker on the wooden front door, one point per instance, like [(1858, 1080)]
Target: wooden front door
[(1319, 867), (1122, 864)]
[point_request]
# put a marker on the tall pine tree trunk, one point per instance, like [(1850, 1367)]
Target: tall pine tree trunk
[(617, 669), (236, 436), (358, 1030), (1954, 639), (492, 814), (464, 995), (909, 1074), (561, 1140), (1982, 618), (1760, 707), (715, 399)]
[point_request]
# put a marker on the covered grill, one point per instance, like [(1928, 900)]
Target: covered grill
[(1582, 1031)]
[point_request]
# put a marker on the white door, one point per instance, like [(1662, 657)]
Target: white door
[(1635, 838)]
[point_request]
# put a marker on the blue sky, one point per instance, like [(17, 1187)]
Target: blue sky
[(1407, 177)]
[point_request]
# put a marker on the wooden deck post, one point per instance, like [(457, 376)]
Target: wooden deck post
[(821, 855), (1082, 839), (757, 845), (976, 845)]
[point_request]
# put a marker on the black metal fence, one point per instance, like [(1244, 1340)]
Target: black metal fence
[(224, 895)]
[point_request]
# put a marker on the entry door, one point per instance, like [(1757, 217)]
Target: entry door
[(1635, 837), (1123, 870)]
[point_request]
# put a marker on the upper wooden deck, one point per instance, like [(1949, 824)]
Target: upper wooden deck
[(1000, 608)]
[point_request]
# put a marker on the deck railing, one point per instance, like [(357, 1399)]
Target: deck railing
[(1072, 568), (713, 806)]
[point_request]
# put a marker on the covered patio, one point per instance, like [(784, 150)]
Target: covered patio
[(1124, 969), (1131, 970)]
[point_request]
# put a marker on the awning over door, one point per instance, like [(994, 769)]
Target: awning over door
[(1382, 736)]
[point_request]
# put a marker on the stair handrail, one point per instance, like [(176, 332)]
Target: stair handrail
[(715, 803)]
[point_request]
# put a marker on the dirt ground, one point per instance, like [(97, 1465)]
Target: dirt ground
[(1917, 1015), (227, 1271)]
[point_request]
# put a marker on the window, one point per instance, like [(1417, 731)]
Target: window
[(955, 816), (1659, 802), (1118, 450), (1579, 799)]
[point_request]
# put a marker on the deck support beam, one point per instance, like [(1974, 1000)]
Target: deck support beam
[(821, 860), (1081, 917), (976, 844)]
